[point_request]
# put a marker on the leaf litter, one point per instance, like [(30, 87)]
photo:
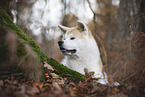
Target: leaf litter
[(57, 86)]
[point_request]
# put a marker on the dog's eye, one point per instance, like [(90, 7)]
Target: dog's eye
[(72, 38)]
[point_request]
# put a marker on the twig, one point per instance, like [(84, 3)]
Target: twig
[(17, 74), (5, 72), (128, 77), (94, 17), (114, 74), (44, 9), (142, 74), (125, 67), (91, 7)]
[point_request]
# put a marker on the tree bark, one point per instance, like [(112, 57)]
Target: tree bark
[(131, 39), (127, 21)]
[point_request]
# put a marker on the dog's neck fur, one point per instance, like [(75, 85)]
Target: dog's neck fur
[(88, 57)]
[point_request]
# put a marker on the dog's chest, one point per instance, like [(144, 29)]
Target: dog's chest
[(79, 64)]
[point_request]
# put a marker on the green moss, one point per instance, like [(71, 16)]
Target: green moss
[(21, 51), (60, 69), (3, 52)]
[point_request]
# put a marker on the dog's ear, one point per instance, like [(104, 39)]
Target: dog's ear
[(82, 27), (63, 28)]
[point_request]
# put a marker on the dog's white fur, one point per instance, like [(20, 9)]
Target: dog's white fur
[(87, 52)]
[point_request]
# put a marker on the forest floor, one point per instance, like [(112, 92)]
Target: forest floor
[(56, 86)]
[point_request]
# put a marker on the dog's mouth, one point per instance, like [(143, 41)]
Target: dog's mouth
[(68, 51)]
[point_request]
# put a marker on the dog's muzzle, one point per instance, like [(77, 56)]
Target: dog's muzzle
[(64, 50)]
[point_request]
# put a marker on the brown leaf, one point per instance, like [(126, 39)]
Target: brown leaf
[(79, 84), (54, 75), (115, 90), (40, 85), (32, 90), (48, 66), (72, 84), (1, 83), (56, 86)]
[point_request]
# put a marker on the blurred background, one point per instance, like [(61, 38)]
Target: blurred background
[(117, 25)]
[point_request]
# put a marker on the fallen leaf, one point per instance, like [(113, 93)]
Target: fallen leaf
[(1, 83), (48, 66)]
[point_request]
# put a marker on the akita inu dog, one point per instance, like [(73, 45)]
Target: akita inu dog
[(81, 50)]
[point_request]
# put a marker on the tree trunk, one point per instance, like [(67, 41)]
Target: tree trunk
[(126, 24), (130, 34)]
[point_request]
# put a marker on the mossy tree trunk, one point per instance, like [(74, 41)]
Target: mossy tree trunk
[(24, 44)]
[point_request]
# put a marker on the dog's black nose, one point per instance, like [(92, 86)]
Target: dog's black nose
[(60, 42)]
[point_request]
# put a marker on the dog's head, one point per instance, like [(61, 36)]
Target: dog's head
[(74, 39)]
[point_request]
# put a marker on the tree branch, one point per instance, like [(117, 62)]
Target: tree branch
[(94, 17)]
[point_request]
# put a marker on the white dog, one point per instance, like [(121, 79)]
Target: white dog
[(81, 51)]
